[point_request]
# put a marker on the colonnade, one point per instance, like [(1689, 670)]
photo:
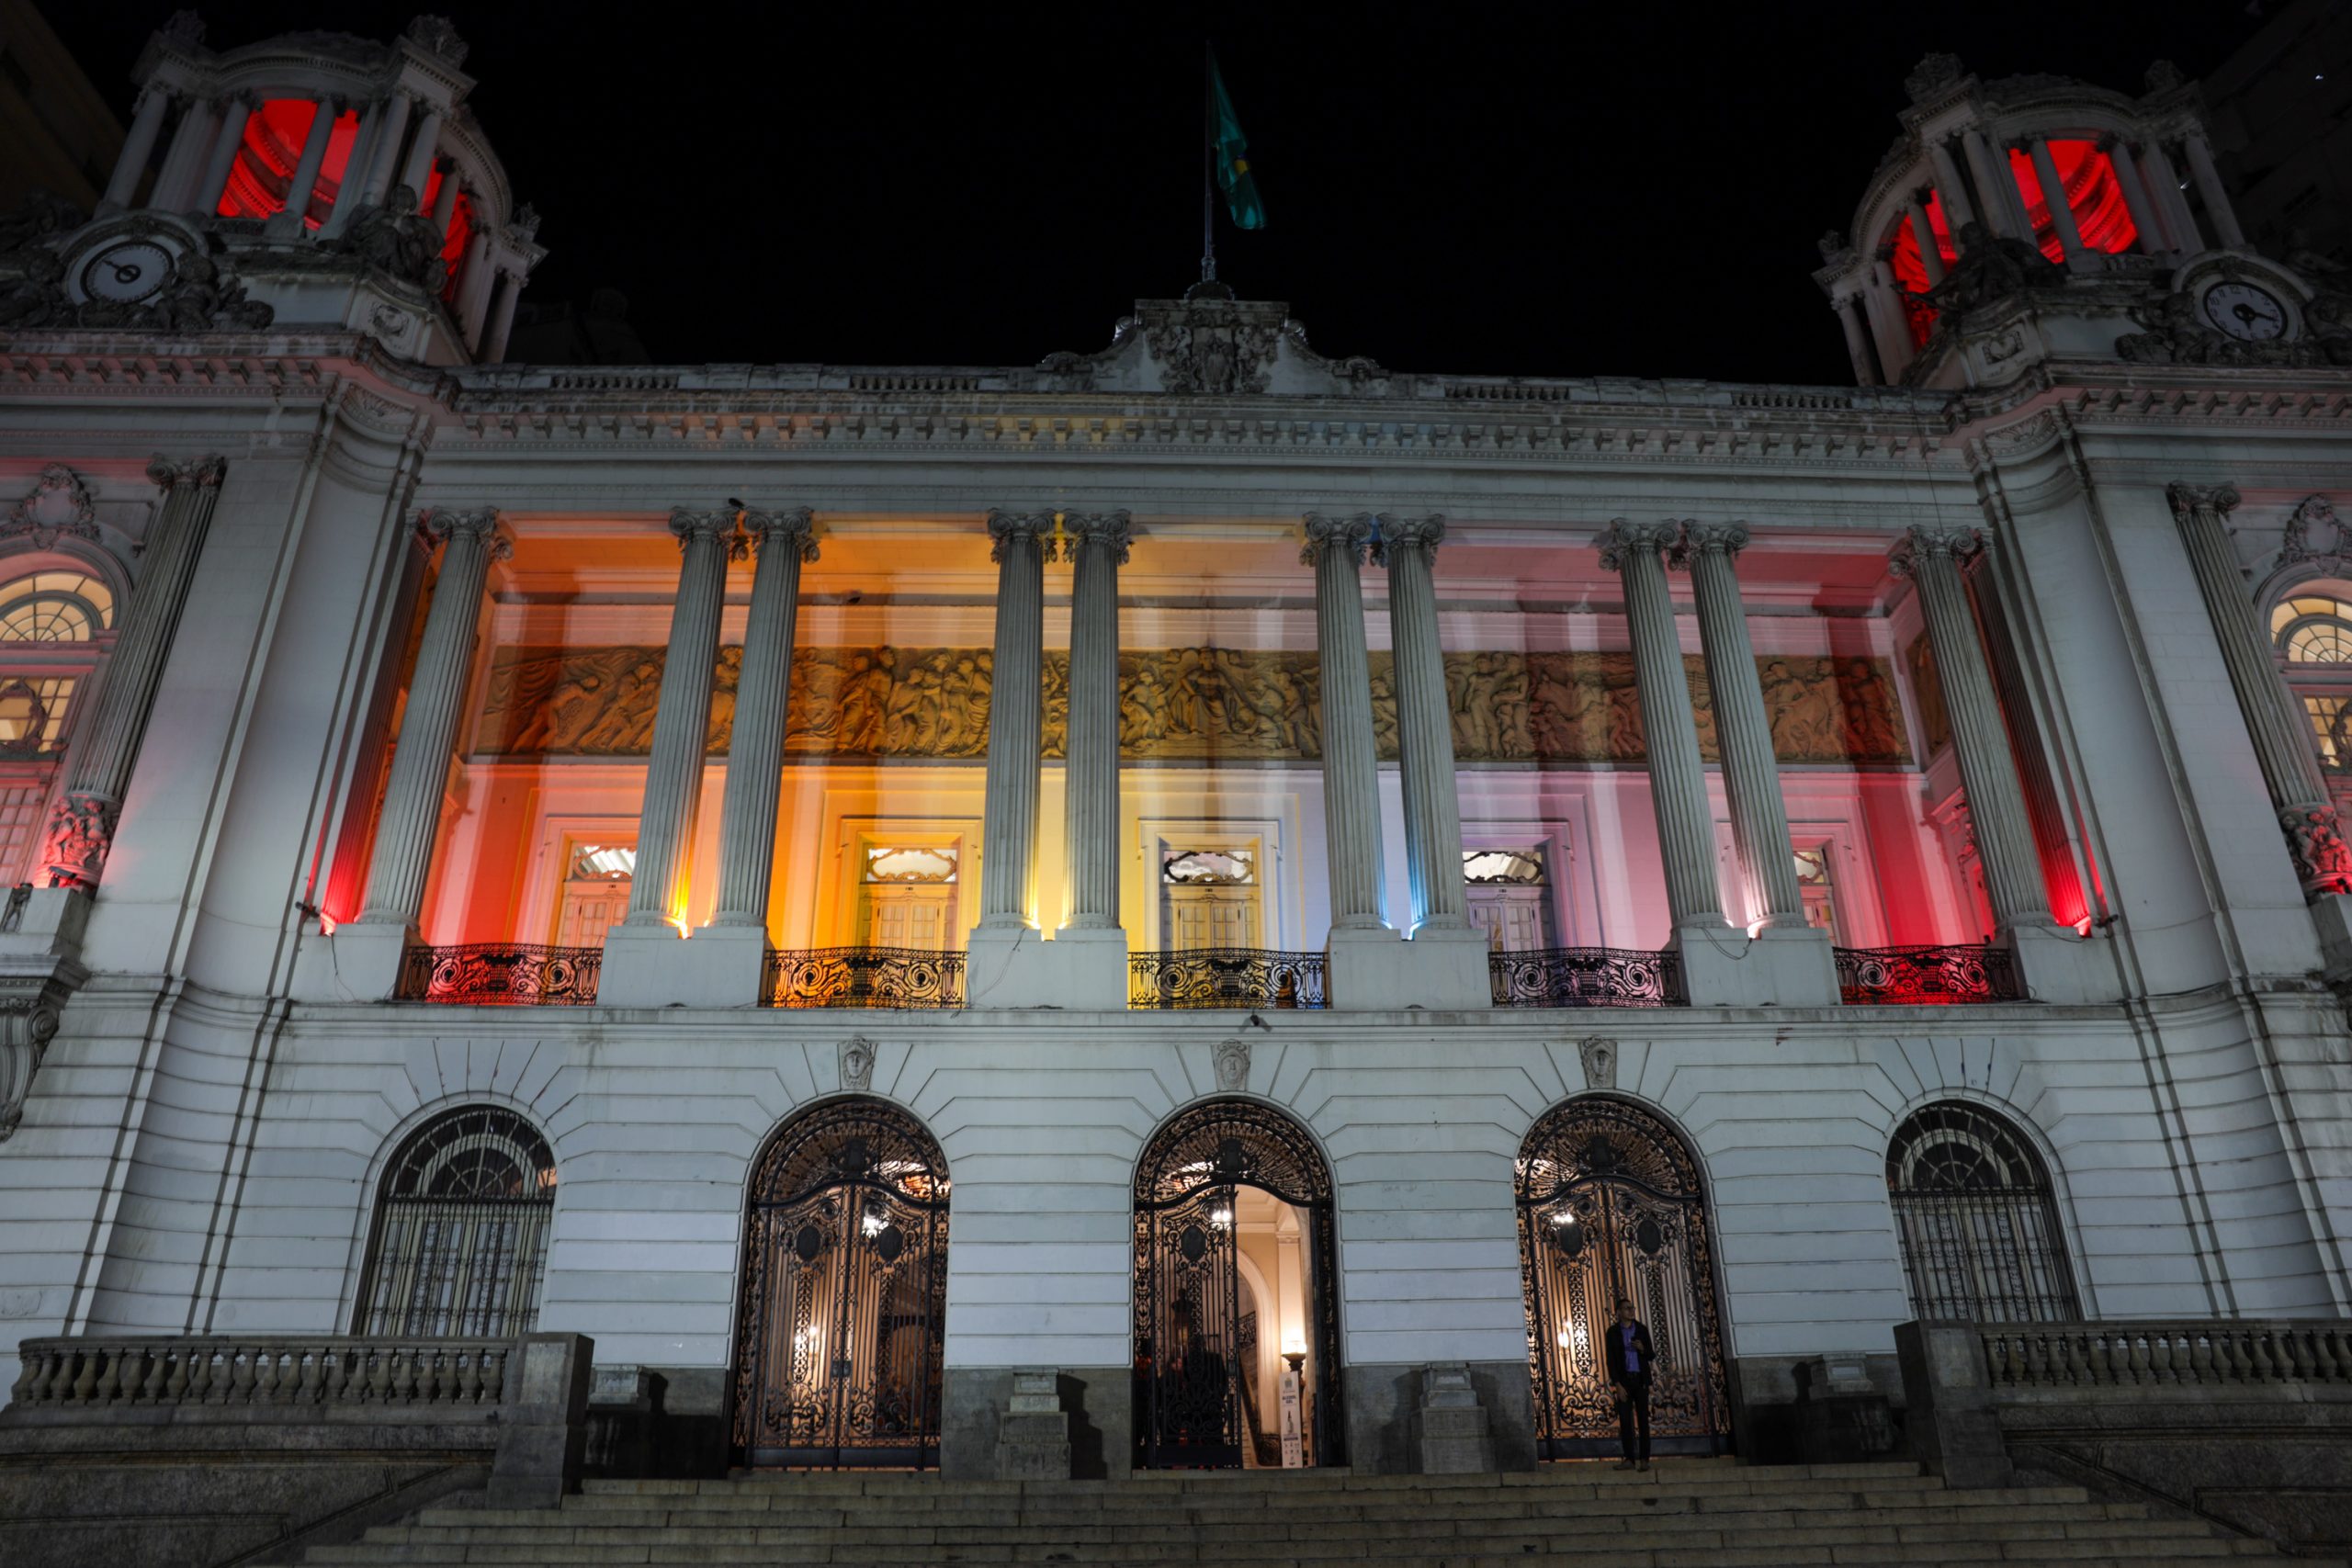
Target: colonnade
[(1872, 311), (1777, 958)]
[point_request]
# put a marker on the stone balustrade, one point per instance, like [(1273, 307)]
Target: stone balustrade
[(2217, 1353), (111, 1375)]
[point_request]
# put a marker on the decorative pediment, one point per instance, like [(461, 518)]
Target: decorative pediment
[(1210, 344)]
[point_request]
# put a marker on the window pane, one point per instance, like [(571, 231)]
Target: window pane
[(54, 606), (911, 862), (1517, 868), (1198, 868)]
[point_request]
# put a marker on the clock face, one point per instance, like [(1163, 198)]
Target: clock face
[(127, 273), (2246, 313)]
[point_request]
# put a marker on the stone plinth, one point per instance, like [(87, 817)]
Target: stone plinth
[(355, 963), (1438, 971), (2056, 966), (543, 1425), (1779, 967), (651, 966), (1953, 1430), (1032, 1439), (1453, 1430), (1017, 968)]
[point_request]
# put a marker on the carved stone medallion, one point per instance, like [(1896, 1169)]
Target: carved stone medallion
[(1600, 1054), (858, 1065), (1233, 1065)]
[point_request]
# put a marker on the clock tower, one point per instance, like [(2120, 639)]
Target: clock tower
[(2037, 217)]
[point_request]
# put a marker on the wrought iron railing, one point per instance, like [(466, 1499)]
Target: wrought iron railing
[(1227, 978), (285, 1370), (1927, 976), (1586, 977), (501, 973), (862, 977)]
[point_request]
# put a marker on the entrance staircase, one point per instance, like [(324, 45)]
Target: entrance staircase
[(1682, 1514)]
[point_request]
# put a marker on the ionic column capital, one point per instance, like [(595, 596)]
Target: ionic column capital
[(1113, 530), (1394, 535), (1621, 539), (1726, 539), (1348, 534), (1925, 541), (792, 529), (437, 525), (1013, 527), (2189, 500), (717, 527), (197, 473)]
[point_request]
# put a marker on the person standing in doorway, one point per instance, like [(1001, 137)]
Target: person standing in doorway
[(1629, 1376)]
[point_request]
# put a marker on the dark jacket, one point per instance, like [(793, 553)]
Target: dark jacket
[(1614, 1336)]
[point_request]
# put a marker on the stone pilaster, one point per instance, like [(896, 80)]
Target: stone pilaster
[(755, 752), (1760, 817), (1016, 716), (2005, 848), (1685, 832), (665, 829), (2281, 735), (1408, 547), (82, 828), (410, 821), (1335, 548), (1097, 545)]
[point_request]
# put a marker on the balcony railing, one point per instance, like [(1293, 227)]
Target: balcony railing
[(1586, 977), (501, 974), (1227, 978), (1927, 976), (862, 977)]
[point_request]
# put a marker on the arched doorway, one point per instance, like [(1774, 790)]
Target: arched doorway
[(1225, 1179), (844, 1293), (1610, 1207)]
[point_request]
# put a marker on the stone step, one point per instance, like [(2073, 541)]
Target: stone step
[(1723, 1472)]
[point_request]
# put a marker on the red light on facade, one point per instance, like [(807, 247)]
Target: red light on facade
[(275, 135)]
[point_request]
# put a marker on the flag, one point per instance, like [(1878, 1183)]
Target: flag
[(1233, 176)]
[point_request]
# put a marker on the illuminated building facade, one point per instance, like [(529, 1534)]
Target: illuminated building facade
[(1322, 876)]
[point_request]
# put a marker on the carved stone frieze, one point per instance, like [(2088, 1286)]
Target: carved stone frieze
[(1187, 703)]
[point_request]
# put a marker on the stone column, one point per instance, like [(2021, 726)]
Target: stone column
[(1890, 323), (349, 196), (2209, 187), (1686, 826), (1999, 191), (190, 145), (1091, 777), (1759, 818), (383, 153), (1959, 211), (409, 822), (1922, 229), (146, 124), (1016, 714), (1334, 548), (473, 289), (422, 152), (2163, 186), (445, 203), (502, 318), (235, 110), (2146, 218), (1988, 774), (2281, 734), (98, 770), (305, 183), (2053, 194), (1857, 347), (665, 829), (1407, 547), (755, 752)]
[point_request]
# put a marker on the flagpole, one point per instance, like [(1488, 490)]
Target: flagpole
[(1208, 162)]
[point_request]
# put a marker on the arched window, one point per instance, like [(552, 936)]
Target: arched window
[(55, 606), (1978, 1220), (461, 1229), (2312, 633), (56, 624)]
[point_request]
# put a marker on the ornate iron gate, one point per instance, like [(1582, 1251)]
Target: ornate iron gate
[(1610, 1207), (844, 1293), (1189, 1410)]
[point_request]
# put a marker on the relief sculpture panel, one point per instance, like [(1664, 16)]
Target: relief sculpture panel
[(1178, 704)]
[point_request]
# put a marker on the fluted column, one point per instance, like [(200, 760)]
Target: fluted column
[(235, 110), (1408, 547), (1957, 211), (422, 152), (756, 751), (2053, 196), (1856, 348), (1759, 817), (2281, 735), (349, 194), (146, 124), (445, 202), (2209, 187), (410, 820), (502, 317), (2164, 188), (1922, 229), (1686, 827), (1988, 772), (2147, 223), (384, 154), (1016, 713), (82, 826), (1091, 777), (1335, 548), (305, 183), (666, 825)]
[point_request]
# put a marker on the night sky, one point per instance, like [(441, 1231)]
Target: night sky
[(1560, 189)]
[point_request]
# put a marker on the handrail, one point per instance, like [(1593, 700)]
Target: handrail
[(1228, 977), (501, 974), (862, 977), (1586, 977), (2226, 1351), (116, 1371), (1927, 976)]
